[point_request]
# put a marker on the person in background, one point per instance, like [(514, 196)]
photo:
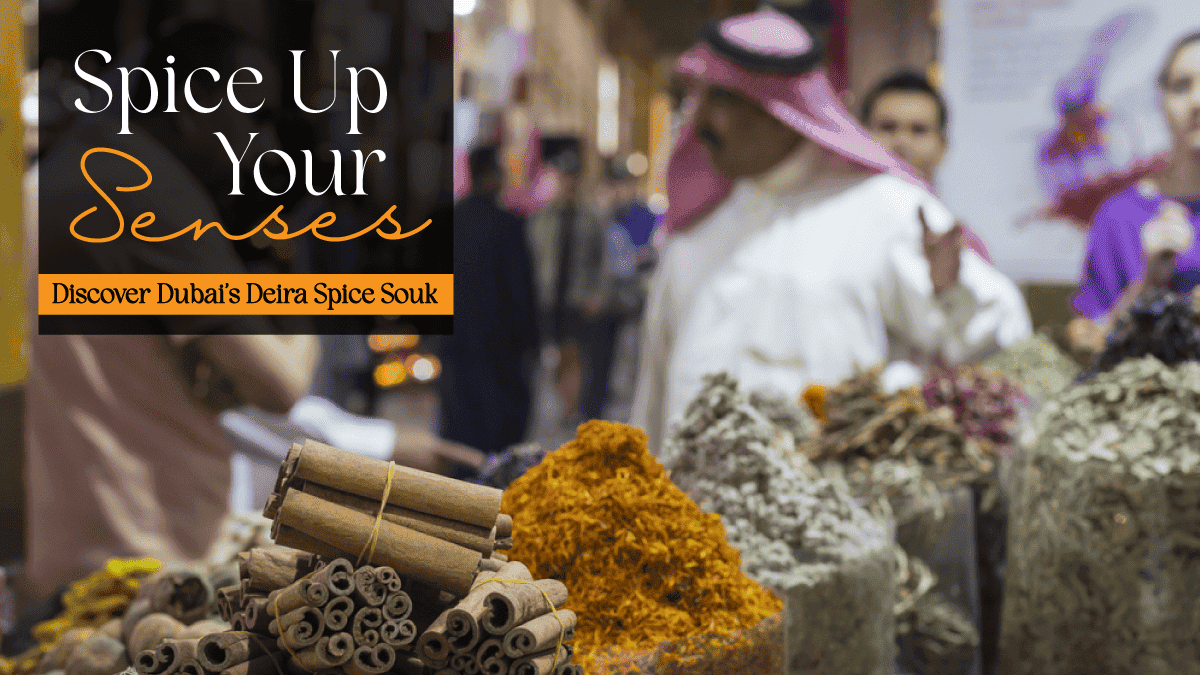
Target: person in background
[(798, 242), (908, 116), (569, 248), (627, 207), (1125, 255), (487, 364)]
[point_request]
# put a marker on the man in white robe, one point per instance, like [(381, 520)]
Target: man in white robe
[(798, 242)]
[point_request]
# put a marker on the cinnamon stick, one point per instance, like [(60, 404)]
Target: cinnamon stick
[(329, 652), (303, 593), (446, 671), (466, 535), (490, 565), (504, 526), (499, 556), (257, 616), (432, 646), (490, 651), (504, 544), (191, 667), (447, 566), (337, 614), (271, 569), (365, 626), (229, 600), (398, 633), (223, 651), (569, 669), (183, 594), (166, 658), (371, 660), (459, 662), (411, 489), (540, 634), (388, 577), (269, 664), (397, 607), (471, 667), (367, 589), (286, 536), (298, 629), (237, 622), (151, 632), (514, 604), (544, 663)]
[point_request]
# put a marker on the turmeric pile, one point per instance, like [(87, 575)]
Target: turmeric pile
[(643, 564), (88, 604)]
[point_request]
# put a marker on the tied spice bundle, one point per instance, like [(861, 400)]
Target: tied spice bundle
[(1104, 558), (294, 612), (654, 583), (508, 624), (435, 530), (799, 532)]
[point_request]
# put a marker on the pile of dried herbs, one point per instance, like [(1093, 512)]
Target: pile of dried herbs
[(935, 636), (1042, 369), (1104, 556), (1159, 324), (982, 402), (799, 532), (892, 446)]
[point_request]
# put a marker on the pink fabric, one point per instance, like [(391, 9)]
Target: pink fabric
[(806, 103), (543, 185), (462, 173)]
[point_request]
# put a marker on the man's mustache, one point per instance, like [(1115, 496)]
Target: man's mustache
[(709, 136)]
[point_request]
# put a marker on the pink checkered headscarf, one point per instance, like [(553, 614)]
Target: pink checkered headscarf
[(759, 56)]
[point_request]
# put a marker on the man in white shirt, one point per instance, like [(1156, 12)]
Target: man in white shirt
[(798, 242)]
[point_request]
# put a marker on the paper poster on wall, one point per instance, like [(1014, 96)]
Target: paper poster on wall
[(1053, 107)]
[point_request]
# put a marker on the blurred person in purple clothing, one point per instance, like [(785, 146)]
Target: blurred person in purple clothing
[(1144, 236)]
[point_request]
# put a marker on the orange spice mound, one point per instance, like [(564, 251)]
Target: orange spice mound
[(642, 563)]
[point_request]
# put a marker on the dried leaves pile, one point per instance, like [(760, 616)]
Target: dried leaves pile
[(1104, 558), (1042, 369), (863, 425), (799, 532)]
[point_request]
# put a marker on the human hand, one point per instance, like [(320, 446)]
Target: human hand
[(944, 253), (421, 449)]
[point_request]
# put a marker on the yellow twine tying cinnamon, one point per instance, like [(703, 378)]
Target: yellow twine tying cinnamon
[(282, 638), (562, 627), (373, 540)]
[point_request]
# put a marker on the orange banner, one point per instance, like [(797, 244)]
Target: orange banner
[(230, 294)]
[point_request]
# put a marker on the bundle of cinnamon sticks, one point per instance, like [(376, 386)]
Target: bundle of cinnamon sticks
[(509, 624), (432, 529)]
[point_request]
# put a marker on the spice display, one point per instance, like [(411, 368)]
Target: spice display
[(1042, 369), (863, 423), (508, 623), (426, 527), (1159, 324), (644, 565), (786, 415), (935, 636), (982, 402), (89, 604), (799, 532), (892, 446), (1104, 555)]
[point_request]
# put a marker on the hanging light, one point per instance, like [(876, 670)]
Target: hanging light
[(389, 374), (465, 7)]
